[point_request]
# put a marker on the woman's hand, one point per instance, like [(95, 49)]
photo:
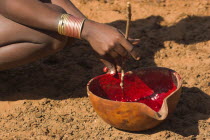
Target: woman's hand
[(109, 43)]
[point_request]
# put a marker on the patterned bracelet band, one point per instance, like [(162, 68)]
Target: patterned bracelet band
[(71, 26)]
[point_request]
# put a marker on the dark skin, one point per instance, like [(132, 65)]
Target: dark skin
[(29, 33)]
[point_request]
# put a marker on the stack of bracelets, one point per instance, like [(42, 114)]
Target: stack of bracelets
[(70, 26)]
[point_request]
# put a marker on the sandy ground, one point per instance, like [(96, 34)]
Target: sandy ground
[(48, 100)]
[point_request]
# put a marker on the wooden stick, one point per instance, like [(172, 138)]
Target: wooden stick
[(126, 36), (128, 19)]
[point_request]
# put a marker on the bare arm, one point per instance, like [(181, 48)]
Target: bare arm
[(69, 7), (31, 13)]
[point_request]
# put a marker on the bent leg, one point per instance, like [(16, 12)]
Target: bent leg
[(23, 53), (20, 44)]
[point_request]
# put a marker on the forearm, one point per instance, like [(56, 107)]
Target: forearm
[(31, 13), (69, 7)]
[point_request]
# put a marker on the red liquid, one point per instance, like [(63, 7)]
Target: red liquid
[(150, 88)]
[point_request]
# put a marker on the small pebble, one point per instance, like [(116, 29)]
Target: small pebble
[(38, 115)]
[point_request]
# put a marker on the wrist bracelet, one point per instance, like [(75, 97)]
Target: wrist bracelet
[(71, 26)]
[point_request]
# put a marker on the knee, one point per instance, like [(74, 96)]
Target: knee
[(56, 44)]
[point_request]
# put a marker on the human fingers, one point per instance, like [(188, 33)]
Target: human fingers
[(134, 51), (121, 51), (113, 54), (109, 63), (119, 68), (119, 64), (136, 43), (130, 47), (117, 59)]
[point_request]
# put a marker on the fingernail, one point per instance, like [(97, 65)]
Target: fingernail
[(105, 69), (138, 58)]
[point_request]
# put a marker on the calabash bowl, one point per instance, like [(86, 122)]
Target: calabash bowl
[(136, 116)]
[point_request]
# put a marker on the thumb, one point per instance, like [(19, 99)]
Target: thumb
[(109, 66)]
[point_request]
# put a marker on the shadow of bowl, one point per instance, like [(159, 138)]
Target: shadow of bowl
[(136, 116)]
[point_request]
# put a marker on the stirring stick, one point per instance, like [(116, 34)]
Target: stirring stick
[(128, 19), (126, 36)]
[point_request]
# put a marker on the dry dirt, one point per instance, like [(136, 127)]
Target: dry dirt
[(48, 100)]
